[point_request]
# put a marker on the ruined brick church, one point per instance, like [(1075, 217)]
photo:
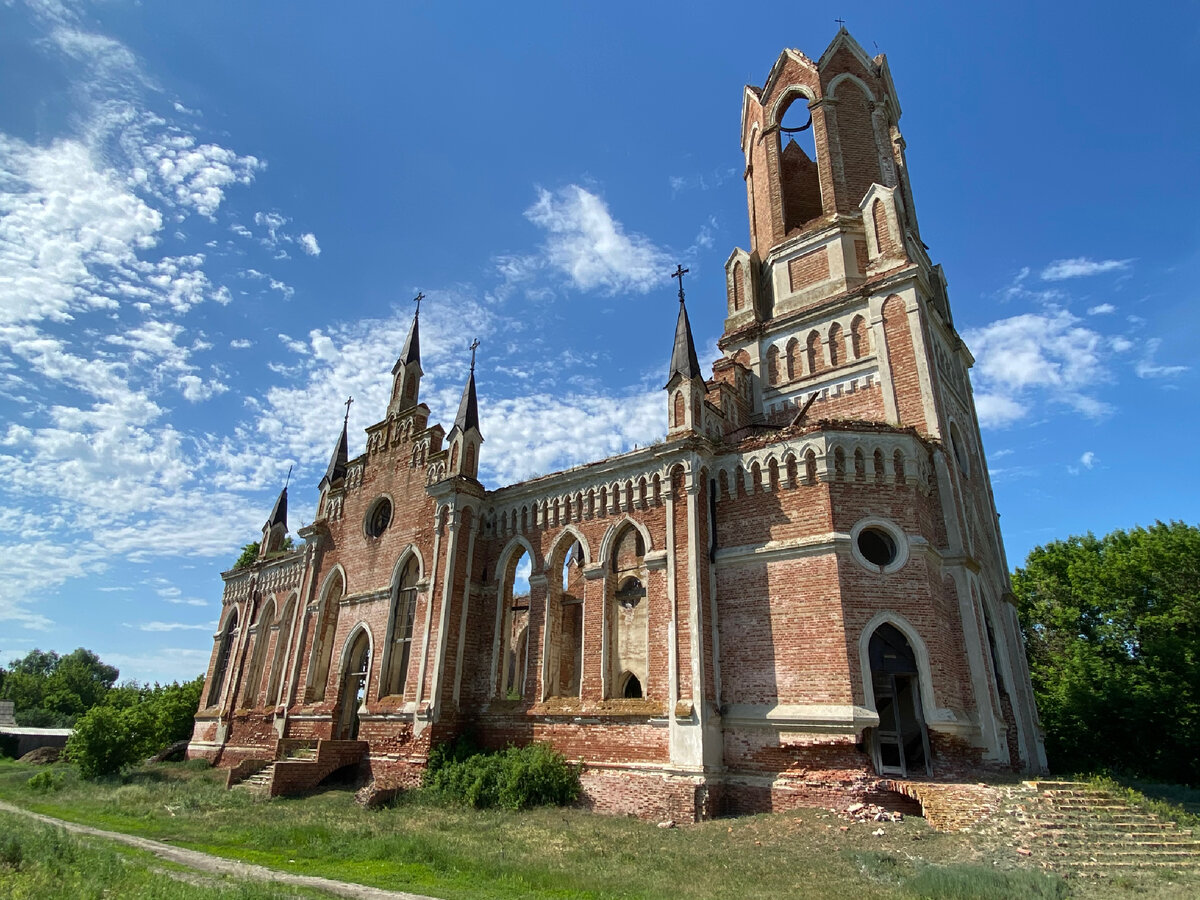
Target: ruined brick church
[(800, 594)]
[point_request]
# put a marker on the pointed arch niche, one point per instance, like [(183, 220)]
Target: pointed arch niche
[(627, 625), (327, 620)]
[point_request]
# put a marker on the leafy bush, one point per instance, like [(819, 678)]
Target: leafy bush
[(104, 741), (516, 778), (45, 781)]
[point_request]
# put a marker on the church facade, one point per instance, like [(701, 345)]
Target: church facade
[(799, 593)]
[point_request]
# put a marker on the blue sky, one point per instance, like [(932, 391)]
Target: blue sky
[(213, 217)]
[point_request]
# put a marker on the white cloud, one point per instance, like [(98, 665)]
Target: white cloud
[(588, 245), (172, 626), (241, 344), (1025, 359), (308, 242), (538, 434), (1102, 309), (1088, 460), (196, 389), (1120, 344), (1147, 368), (1081, 266), (997, 410)]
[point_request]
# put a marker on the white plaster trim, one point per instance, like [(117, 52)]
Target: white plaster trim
[(824, 718), (776, 550)]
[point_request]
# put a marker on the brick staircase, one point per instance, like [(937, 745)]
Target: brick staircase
[(1074, 827), (298, 766)]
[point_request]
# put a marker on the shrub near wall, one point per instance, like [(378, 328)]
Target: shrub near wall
[(516, 778)]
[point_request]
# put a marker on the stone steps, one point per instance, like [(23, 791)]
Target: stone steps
[(1076, 827)]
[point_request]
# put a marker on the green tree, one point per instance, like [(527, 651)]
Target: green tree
[(248, 556), (50, 691), (1112, 629)]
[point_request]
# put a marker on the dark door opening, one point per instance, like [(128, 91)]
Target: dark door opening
[(354, 686), (900, 744)]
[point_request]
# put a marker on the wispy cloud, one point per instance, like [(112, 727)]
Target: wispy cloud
[(1081, 267), (588, 245), (171, 626), (1146, 367), (1102, 309)]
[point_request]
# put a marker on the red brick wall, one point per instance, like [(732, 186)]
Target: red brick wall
[(903, 361)]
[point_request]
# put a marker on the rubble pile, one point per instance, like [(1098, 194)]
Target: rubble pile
[(869, 812)]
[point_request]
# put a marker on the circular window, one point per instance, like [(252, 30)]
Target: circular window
[(879, 545), (379, 517)]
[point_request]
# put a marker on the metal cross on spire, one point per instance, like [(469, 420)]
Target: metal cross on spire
[(474, 346), (349, 400), (417, 300), (841, 22), (679, 272)]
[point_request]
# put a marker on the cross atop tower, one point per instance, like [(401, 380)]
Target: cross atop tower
[(417, 300), (474, 346), (349, 400), (679, 272)]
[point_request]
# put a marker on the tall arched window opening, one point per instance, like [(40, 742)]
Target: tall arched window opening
[(224, 647), (400, 630), (514, 637), (564, 650), (327, 619)]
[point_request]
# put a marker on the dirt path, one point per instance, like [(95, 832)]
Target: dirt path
[(217, 865)]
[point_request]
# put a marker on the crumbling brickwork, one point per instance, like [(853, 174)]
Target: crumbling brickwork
[(800, 592)]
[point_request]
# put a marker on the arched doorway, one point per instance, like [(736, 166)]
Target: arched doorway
[(901, 742), (354, 687)]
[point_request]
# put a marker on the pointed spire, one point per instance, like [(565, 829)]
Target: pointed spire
[(468, 407), (278, 512), (341, 454), (683, 357), (411, 352)]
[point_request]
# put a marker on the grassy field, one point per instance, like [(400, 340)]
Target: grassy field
[(427, 847), (39, 862)]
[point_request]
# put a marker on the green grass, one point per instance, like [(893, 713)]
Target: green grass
[(1173, 802), (38, 861), (426, 846)]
